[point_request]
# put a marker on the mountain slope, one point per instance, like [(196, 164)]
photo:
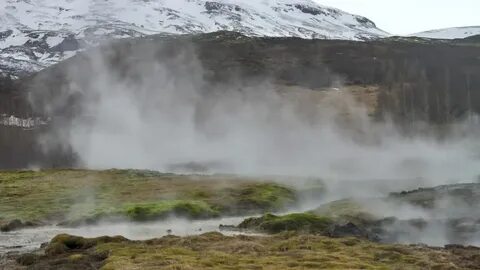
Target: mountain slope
[(450, 33), (403, 80), (37, 34)]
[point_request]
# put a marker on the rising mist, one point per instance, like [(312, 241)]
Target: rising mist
[(162, 114)]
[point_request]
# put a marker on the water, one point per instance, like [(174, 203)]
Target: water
[(28, 240)]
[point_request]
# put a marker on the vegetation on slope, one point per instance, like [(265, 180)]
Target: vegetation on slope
[(76, 196), (348, 210), (152, 211), (306, 222)]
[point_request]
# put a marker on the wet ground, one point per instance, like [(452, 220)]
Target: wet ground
[(30, 239)]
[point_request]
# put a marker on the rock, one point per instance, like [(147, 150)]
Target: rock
[(64, 243), (27, 259), (454, 246), (12, 225), (349, 229), (16, 224), (55, 249)]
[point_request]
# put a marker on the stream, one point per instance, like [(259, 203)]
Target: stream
[(28, 240)]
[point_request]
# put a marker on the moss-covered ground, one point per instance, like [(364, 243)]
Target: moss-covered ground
[(319, 220), (216, 251), (349, 210), (74, 196), (298, 222)]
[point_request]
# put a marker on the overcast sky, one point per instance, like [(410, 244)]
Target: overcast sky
[(411, 16)]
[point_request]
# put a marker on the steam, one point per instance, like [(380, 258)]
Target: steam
[(161, 114)]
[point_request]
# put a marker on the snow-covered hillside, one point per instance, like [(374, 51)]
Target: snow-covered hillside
[(36, 34), (450, 33)]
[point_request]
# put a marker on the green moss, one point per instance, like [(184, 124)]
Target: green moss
[(264, 196), (81, 196), (268, 195), (347, 210), (305, 222), (162, 209)]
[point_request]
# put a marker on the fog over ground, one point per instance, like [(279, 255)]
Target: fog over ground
[(161, 115)]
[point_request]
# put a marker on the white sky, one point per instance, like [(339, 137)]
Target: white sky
[(411, 16)]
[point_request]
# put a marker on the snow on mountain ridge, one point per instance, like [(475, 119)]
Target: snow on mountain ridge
[(36, 34), (450, 33)]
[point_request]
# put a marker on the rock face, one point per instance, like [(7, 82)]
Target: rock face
[(37, 34)]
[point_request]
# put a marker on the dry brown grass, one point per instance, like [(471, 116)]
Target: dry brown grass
[(284, 251)]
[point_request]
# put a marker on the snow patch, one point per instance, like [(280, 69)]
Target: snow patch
[(450, 33), (54, 41)]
